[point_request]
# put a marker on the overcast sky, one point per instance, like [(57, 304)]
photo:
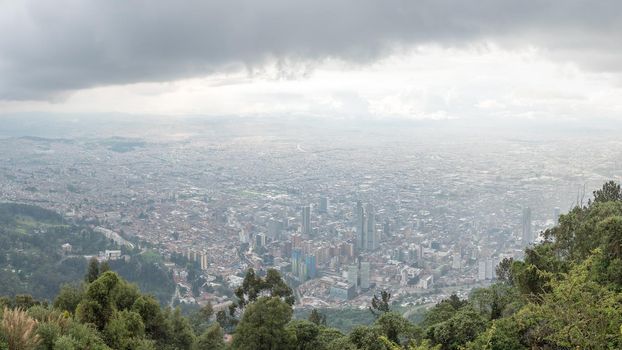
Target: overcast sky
[(430, 59)]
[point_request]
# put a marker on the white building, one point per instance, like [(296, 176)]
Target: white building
[(426, 281), (112, 254)]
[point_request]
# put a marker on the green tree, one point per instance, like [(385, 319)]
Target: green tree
[(575, 237), (464, 326), (211, 339), (125, 330), (254, 286), (503, 334), (396, 328), (443, 311), (329, 335), (82, 336), (306, 335), (263, 326), (542, 264), (495, 301), (380, 304), (342, 343), (97, 306), (368, 338), (69, 297), (103, 267), (317, 317), (610, 192), (92, 271), (504, 271), (181, 335), (578, 313), (48, 332), (200, 319), (149, 310)]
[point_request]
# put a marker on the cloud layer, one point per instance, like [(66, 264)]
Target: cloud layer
[(48, 48)]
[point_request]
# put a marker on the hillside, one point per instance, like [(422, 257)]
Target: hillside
[(32, 260)]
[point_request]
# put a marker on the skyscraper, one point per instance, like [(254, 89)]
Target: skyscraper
[(372, 239), (323, 208), (365, 274), (353, 275), (361, 227), (296, 261), (527, 230), (306, 220), (310, 261), (481, 270), (489, 269)]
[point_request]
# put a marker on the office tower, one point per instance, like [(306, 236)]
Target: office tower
[(310, 262), (386, 228), (274, 229), (323, 208), (260, 240), (556, 213), (361, 227), (365, 275), (489, 269), (243, 237), (296, 240), (456, 263), (481, 270), (306, 220), (527, 230), (372, 239), (203, 260), (353, 275), (296, 260)]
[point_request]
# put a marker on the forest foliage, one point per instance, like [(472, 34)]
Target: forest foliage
[(32, 262)]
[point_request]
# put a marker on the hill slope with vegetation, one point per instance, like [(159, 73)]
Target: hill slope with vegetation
[(32, 261)]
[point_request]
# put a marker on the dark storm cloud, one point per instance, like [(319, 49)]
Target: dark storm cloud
[(50, 47)]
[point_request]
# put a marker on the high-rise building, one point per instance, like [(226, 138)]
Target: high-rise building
[(481, 270), (323, 208), (365, 274), (489, 269), (296, 260), (260, 240), (353, 275), (274, 229), (296, 240), (310, 261), (302, 271), (386, 228), (361, 227), (372, 239), (203, 260), (306, 220), (456, 262), (527, 229)]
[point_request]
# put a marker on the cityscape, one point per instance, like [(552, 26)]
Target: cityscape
[(341, 216)]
